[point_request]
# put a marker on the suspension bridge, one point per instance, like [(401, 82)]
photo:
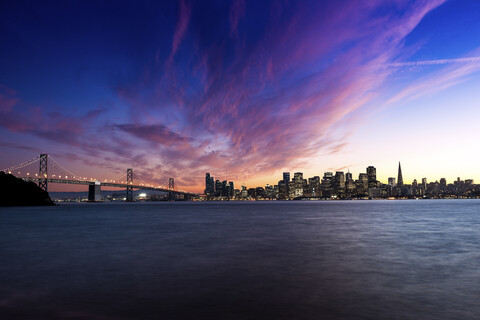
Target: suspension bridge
[(65, 176)]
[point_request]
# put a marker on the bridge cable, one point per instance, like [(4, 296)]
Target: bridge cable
[(141, 180), (21, 165), (119, 177), (60, 167)]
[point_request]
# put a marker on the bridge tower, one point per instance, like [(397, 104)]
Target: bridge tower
[(129, 185), (43, 172), (171, 186)]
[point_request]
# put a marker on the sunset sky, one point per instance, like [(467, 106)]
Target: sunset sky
[(242, 89)]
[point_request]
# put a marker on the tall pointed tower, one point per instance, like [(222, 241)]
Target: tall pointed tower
[(399, 178)]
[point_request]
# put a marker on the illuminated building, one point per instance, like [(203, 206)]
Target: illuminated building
[(286, 180), (314, 188), (391, 182), (327, 184), (400, 177), (218, 188), (298, 184), (209, 185), (372, 176), (244, 192), (269, 192), (348, 176), (339, 181)]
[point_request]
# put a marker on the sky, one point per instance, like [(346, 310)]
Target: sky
[(242, 89)]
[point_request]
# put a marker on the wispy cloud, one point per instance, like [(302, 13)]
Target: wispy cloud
[(439, 80), (435, 62), (184, 13), (155, 133), (237, 11)]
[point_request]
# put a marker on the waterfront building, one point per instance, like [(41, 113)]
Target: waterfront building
[(298, 184), (244, 192), (237, 194), (314, 186), (260, 193), (327, 184), (350, 188), (362, 185), (231, 189), (339, 182), (286, 179), (218, 188), (415, 191), (391, 182), (400, 177), (372, 176), (348, 176), (209, 185), (282, 190), (269, 192)]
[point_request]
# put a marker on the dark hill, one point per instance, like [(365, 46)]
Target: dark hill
[(16, 192)]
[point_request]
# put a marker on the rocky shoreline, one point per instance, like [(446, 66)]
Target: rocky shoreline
[(16, 192)]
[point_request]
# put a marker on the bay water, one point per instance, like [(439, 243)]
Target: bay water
[(402, 259)]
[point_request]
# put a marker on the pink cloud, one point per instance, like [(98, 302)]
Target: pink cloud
[(154, 133), (237, 11), (185, 10), (7, 98)]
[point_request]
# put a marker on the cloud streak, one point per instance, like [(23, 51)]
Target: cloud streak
[(439, 80), (185, 10), (435, 62)]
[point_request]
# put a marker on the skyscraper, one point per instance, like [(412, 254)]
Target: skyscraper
[(391, 182), (327, 184), (372, 176), (348, 176), (400, 177), (218, 188), (298, 184), (209, 185), (339, 180)]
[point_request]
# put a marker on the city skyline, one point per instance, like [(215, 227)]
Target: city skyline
[(244, 90), (340, 184)]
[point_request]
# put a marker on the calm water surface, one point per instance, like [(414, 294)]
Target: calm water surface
[(262, 260)]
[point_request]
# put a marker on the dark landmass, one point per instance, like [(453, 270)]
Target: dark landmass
[(16, 192)]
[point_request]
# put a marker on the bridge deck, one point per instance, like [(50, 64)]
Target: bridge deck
[(109, 184)]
